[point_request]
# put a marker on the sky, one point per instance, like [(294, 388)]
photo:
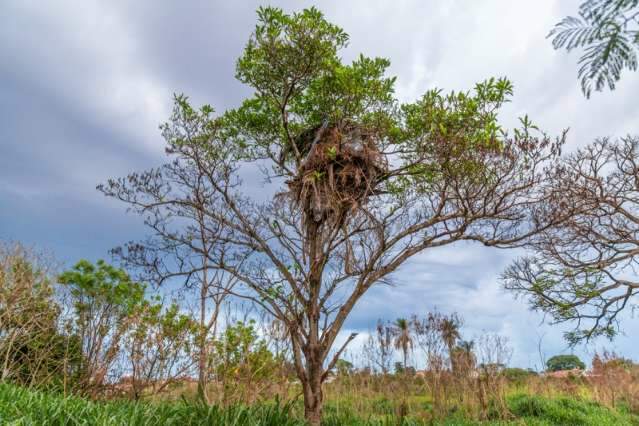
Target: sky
[(85, 84)]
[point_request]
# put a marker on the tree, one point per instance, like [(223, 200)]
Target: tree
[(173, 200), (403, 339), (463, 357), (608, 30), (564, 362), (244, 364), (105, 301), (363, 183), (379, 348), (583, 271), (344, 367), (159, 347), (449, 329), (33, 350)]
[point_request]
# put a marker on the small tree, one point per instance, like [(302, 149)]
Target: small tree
[(344, 367), (403, 339), (105, 302), (379, 349), (159, 347), (564, 362), (243, 363), (33, 350)]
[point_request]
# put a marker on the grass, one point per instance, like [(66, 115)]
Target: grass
[(19, 406)]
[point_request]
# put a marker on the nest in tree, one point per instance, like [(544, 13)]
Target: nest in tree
[(340, 171)]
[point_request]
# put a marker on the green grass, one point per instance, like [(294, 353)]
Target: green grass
[(19, 406), (24, 407)]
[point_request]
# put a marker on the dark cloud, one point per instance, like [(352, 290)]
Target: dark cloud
[(83, 86)]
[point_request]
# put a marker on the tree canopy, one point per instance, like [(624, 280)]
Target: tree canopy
[(565, 362)]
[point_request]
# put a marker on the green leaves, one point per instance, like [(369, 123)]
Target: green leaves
[(285, 52), (359, 91), (608, 32), (102, 284)]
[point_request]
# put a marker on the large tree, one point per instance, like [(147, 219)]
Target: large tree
[(585, 271), (358, 182)]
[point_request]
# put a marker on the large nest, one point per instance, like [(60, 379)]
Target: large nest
[(341, 170)]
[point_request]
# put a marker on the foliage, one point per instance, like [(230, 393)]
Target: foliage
[(564, 362), (608, 31), (105, 300), (518, 375), (583, 269), (344, 367), (565, 411), (33, 351), (22, 407), (243, 362), (160, 346)]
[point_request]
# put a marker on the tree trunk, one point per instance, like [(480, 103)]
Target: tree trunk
[(313, 399), (312, 384), (203, 353)]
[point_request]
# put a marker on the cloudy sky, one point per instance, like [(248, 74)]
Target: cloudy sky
[(84, 85)]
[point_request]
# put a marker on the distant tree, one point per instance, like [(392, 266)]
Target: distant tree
[(517, 375), (429, 338), (403, 338), (564, 362), (449, 329), (344, 367), (379, 347), (463, 356), (584, 270), (608, 31)]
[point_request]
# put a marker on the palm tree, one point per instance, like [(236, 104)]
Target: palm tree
[(449, 329), (403, 338)]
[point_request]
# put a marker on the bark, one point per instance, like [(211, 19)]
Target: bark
[(203, 353), (313, 397)]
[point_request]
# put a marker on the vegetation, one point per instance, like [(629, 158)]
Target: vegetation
[(229, 311), (583, 271), (565, 362), (23, 407), (608, 31), (364, 183)]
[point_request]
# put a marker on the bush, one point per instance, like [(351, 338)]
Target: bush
[(517, 375)]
